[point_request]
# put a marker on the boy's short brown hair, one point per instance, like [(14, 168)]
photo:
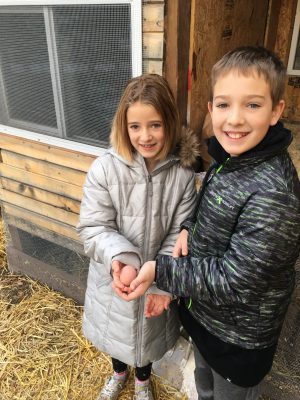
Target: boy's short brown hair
[(249, 59), (154, 90)]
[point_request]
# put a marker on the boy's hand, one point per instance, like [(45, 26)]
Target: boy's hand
[(181, 248), (156, 304)]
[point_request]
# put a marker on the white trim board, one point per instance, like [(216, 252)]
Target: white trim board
[(53, 141)]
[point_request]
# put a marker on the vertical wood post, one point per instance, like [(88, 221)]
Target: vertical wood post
[(177, 38)]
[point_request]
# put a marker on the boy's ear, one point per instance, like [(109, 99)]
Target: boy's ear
[(277, 111)]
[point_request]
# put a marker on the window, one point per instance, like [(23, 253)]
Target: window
[(294, 59), (64, 65)]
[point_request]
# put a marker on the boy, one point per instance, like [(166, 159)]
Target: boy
[(236, 282)]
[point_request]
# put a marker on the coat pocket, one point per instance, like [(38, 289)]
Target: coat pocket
[(103, 281)]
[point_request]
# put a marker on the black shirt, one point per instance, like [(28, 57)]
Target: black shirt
[(243, 367)]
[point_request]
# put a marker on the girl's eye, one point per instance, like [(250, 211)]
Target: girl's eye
[(222, 105), (156, 125), (133, 127)]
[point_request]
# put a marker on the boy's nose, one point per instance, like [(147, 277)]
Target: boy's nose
[(235, 117)]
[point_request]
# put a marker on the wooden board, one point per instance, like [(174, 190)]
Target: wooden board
[(283, 38), (44, 152), (46, 210), (153, 45), (219, 26), (41, 221), (153, 17), (40, 195), (33, 165), (14, 223), (153, 67), (177, 39), (41, 182)]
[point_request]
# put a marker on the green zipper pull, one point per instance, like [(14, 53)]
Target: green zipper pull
[(221, 166)]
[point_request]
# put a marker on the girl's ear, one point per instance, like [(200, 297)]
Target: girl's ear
[(277, 111), (210, 106)]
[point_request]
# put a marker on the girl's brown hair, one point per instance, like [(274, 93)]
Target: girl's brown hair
[(150, 89), (257, 59)]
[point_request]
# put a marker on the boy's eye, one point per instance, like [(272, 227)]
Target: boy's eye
[(253, 105)]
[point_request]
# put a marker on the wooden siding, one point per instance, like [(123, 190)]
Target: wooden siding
[(217, 27), (153, 36), (283, 35), (42, 184)]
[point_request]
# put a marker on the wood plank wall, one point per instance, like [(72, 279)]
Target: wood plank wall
[(153, 36), (217, 27), (41, 185), (282, 32)]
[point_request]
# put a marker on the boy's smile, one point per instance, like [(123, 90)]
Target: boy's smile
[(242, 111)]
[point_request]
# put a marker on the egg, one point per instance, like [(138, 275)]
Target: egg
[(127, 275)]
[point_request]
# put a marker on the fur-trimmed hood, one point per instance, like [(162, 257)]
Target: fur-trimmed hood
[(188, 149), (187, 152)]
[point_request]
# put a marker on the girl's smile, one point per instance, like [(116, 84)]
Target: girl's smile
[(146, 132)]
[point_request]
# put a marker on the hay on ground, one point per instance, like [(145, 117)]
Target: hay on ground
[(43, 355)]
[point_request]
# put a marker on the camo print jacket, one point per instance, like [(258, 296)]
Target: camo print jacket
[(239, 275)]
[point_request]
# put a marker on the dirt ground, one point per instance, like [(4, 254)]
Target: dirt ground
[(43, 355)]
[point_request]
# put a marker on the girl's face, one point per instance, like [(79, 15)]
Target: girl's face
[(146, 132)]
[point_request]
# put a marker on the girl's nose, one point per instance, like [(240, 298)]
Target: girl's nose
[(235, 116), (145, 134)]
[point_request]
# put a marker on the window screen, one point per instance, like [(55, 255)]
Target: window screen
[(63, 68), (294, 57), (297, 55), (50, 253)]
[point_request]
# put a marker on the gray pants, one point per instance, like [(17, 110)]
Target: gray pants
[(212, 386)]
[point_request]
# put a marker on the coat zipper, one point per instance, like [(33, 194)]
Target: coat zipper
[(215, 172), (145, 258)]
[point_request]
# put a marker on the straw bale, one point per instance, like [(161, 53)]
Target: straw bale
[(43, 355)]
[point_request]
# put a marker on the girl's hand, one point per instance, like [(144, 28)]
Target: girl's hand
[(156, 304), (140, 284), (116, 267), (181, 247)]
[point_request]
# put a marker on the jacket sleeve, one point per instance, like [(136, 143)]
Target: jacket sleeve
[(264, 245), (183, 210), (97, 225)]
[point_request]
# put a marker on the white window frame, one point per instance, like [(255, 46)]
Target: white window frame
[(136, 42), (294, 42)]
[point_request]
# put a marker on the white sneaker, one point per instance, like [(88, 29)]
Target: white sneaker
[(112, 388), (143, 391)]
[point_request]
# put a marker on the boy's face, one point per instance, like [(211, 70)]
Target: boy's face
[(242, 111)]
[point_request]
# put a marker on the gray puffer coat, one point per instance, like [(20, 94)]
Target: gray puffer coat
[(130, 215)]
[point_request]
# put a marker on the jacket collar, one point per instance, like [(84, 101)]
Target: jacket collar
[(139, 162), (187, 152), (276, 141)]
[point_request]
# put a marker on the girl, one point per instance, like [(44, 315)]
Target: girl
[(135, 197)]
